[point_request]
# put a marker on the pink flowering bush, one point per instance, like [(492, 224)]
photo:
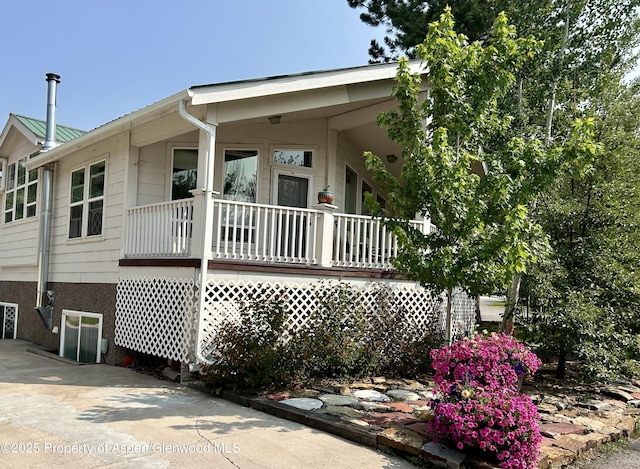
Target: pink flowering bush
[(479, 407), (488, 361)]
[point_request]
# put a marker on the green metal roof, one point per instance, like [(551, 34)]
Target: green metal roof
[(64, 134)]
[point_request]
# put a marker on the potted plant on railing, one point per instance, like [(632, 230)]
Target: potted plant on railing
[(325, 196)]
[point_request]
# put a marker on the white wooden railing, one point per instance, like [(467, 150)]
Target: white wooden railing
[(363, 241), (267, 233), (159, 230)]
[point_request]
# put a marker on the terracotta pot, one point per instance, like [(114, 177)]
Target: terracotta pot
[(127, 362), (325, 197)]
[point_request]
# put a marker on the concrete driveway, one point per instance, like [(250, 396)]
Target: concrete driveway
[(54, 414)]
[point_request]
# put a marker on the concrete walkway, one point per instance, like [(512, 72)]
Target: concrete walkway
[(54, 414), (491, 308)]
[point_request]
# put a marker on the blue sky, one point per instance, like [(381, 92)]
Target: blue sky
[(117, 56)]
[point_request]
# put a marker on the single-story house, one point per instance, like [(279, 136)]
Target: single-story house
[(140, 235)]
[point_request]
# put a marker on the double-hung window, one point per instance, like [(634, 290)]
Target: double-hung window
[(86, 204), (21, 192)]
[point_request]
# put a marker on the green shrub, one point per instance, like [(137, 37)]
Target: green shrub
[(393, 345), (330, 343), (250, 352)]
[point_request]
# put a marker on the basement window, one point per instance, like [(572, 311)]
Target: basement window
[(81, 336)]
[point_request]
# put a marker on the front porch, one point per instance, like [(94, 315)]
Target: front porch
[(264, 234)]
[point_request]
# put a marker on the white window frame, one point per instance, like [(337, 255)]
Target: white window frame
[(172, 150), (14, 190), (225, 149), (86, 201), (3, 172), (274, 148), (290, 171), (4, 319), (70, 312)]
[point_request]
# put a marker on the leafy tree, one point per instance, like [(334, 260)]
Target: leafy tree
[(586, 302), (485, 234)]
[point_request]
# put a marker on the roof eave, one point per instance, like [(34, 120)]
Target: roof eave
[(217, 93), (100, 133)]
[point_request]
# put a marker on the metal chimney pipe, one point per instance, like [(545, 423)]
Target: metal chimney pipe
[(44, 299), (50, 137)]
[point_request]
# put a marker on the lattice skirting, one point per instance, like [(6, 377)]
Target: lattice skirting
[(157, 315)]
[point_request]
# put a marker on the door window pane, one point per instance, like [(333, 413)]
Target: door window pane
[(293, 191)]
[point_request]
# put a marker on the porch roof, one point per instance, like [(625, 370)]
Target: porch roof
[(340, 81)]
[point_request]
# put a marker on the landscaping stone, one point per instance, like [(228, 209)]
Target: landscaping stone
[(171, 374), (419, 427), (588, 441), (343, 410), (374, 407), (618, 394), (403, 395), (354, 420), (556, 418), (401, 407), (591, 424), (419, 403), (303, 403), (593, 404), (570, 444), (279, 396), (401, 439), (547, 408), (627, 425), (442, 455), (558, 457), (378, 380), (634, 402), (611, 433), (554, 430), (388, 419), (371, 396), (310, 393), (337, 400), (362, 386)]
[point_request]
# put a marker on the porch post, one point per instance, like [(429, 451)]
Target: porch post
[(325, 241), (204, 194)]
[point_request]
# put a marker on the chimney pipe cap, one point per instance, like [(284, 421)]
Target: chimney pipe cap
[(53, 76)]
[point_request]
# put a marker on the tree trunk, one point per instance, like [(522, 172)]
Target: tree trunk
[(511, 302), (561, 371), (447, 330)]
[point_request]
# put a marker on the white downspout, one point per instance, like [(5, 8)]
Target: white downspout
[(207, 220)]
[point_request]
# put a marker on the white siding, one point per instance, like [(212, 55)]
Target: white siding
[(19, 239), (311, 134), (92, 259)]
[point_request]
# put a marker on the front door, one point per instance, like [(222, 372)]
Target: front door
[(292, 191)]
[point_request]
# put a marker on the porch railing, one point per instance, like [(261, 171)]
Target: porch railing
[(160, 230), (363, 241), (267, 233), (264, 233)]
